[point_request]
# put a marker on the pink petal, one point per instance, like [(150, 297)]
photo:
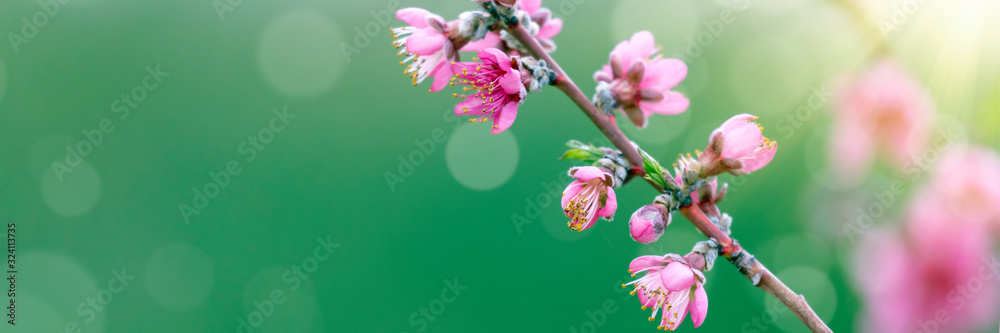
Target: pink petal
[(663, 74), (506, 118), (492, 56), (511, 82), (646, 262), (492, 39), (677, 277), (551, 28), (442, 76), (416, 17), (587, 173), (571, 191), (530, 6), (425, 42), (472, 106), (741, 140), (672, 103), (759, 160), (644, 300), (610, 205), (736, 121), (699, 306)]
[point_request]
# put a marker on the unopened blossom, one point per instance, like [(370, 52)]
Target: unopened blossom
[(941, 262), (883, 112), (738, 147), (671, 287), (648, 222), (430, 44), (967, 183), (588, 197), (496, 81), (640, 83)]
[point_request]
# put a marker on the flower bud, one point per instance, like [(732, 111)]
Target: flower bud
[(648, 223)]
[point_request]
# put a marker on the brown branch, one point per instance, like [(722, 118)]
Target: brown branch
[(768, 282)]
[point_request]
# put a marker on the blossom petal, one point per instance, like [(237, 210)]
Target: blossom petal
[(506, 118), (491, 39), (587, 173), (442, 75), (759, 159), (530, 6), (646, 262), (610, 205), (664, 74), (416, 17), (699, 306), (425, 42), (511, 82), (551, 28), (571, 191), (672, 103), (677, 277), (493, 56), (472, 106)]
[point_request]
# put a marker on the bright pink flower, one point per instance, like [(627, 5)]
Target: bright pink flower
[(738, 146), (648, 223), (499, 89), (430, 45), (641, 85), (905, 283), (883, 111), (588, 197), (967, 181), (670, 285)]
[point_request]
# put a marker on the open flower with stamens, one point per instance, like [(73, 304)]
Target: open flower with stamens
[(430, 44), (738, 147), (671, 287), (589, 196), (641, 85), (498, 86)]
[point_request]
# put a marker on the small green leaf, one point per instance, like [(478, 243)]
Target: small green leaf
[(577, 154), (654, 172)]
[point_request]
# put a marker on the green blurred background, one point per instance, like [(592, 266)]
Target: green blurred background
[(448, 222)]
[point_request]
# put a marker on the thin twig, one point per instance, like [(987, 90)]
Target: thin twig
[(768, 282)]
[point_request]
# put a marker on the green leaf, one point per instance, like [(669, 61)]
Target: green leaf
[(577, 154), (654, 172)]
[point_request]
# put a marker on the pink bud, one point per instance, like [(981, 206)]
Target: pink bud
[(648, 223)]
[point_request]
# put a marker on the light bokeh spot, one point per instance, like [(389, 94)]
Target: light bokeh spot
[(279, 300), (50, 290), (75, 194), (298, 53), (179, 277), (755, 81), (479, 160)]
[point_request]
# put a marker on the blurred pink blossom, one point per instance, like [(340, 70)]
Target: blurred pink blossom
[(967, 183), (883, 111)]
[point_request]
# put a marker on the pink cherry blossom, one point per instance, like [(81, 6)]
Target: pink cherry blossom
[(936, 267), (648, 223), (497, 80), (429, 45), (967, 181), (671, 285), (738, 146), (548, 26), (884, 111), (642, 85), (588, 197)]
